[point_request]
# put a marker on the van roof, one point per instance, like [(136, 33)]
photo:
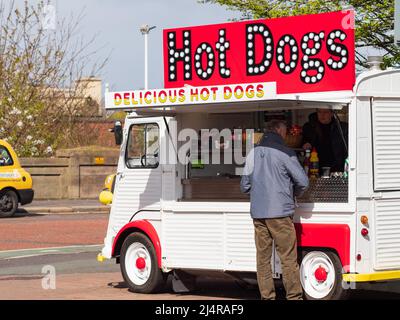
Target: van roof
[(377, 83)]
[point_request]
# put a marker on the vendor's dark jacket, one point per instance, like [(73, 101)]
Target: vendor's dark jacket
[(273, 176), (312, 134)]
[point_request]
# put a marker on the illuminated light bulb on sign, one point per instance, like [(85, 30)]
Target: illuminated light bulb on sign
[(222, 46), (204, 49), (337, 50), (176, 55), (253, 66), (287, 40), (311, 45)]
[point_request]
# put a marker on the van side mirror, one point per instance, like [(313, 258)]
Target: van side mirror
[(117, 132)]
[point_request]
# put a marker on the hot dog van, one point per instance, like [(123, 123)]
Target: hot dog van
[(177, 207)]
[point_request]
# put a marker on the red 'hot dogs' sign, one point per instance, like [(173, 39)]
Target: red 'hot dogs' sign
[(306, 53)]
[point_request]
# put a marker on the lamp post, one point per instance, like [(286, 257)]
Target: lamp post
[(397, 23), (145, 30)]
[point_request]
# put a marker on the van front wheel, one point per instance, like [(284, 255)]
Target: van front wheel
[(8, 203), (139, 265)]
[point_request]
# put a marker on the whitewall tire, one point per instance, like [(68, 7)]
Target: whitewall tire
[(321, 276), (139, 265)]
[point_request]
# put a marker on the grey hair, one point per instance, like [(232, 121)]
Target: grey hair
[(275, 125)]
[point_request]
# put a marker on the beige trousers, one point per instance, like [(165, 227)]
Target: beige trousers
[(282, 232)]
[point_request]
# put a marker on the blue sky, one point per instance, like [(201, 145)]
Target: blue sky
[(117, 24)]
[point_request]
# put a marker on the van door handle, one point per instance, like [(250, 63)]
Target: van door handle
[(377, 196)]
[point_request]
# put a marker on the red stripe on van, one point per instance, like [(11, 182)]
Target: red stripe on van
[(332, 236), (148, 229)]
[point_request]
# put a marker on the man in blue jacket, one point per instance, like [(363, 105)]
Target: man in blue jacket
[(273, 176)]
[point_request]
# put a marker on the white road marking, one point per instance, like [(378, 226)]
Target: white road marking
[(25, 253)]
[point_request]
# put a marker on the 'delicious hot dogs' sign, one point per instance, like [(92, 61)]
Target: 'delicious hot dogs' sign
[(306, 53)]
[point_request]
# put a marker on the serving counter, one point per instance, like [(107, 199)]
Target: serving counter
[(330, 190), (325, 190), (213, 188)]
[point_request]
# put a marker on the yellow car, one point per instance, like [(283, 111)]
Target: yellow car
[(106, 195), (15, 182)]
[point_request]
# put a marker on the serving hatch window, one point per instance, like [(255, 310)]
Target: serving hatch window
[(143, 146), (322, 131)]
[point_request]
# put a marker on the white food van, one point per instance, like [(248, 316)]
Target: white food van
[(158, 224), (174, 212)]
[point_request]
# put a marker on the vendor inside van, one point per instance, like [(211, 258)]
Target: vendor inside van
[(328, 135)]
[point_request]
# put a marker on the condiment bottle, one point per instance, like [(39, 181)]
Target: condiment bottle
[(306, 164), (346, 168), (314, 164)]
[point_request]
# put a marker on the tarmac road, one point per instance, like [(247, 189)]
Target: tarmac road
[(33, 248), (27, 230), (80, 276), (33, 244)]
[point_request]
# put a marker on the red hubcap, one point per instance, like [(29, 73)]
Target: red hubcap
[(321, 274), (140, 263)]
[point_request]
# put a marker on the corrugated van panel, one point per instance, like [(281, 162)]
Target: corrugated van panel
[(386, 139)]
